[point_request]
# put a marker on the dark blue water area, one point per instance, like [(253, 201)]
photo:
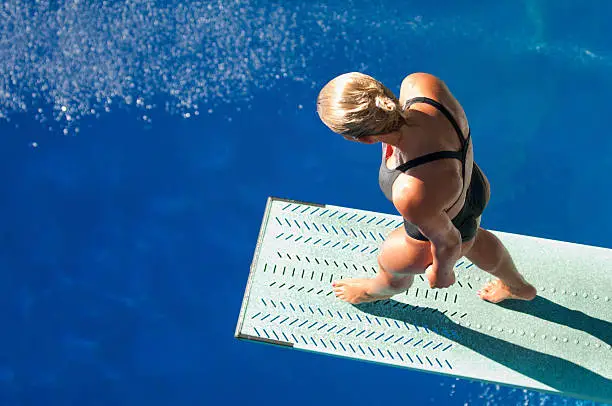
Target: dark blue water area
[(126, 248)]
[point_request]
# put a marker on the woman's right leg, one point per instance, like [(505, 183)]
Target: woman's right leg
[(489, 254)]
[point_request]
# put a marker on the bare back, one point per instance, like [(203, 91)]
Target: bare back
[(433, 132)]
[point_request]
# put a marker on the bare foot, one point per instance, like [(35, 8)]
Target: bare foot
[(496, 291), (356, 291), (440, 279)]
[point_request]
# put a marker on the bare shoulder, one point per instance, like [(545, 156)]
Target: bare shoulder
[(425, 193), (422, 79), (421, 83), (428, 85)]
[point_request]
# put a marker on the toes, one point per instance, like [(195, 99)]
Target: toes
[(340, 293), (487, 290)]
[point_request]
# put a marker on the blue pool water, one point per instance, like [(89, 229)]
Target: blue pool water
[(140, 140)]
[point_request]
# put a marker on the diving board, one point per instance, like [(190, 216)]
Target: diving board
[(560, 342)]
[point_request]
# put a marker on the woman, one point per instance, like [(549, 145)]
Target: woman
[(429, 174)]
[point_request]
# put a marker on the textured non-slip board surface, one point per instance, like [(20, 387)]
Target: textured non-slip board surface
[(559, 342)]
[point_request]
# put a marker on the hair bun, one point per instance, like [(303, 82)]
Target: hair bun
[(385, 103)]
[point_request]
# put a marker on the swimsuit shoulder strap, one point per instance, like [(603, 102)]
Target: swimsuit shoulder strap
[(460, 155), (443, 110)]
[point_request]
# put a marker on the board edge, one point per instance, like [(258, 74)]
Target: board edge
[(272, 341), (251, 276), (282, 199)]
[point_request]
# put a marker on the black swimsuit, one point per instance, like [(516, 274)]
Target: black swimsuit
[(476, 196)]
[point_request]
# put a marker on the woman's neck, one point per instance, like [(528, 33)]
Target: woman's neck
[(400, 139)]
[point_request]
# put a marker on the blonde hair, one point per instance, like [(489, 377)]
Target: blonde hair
[(356, 105)]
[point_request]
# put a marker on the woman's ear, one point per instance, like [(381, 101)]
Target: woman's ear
[(368, 139)]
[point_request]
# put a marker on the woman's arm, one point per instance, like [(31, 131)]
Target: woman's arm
[(445, 249), (424, 206)]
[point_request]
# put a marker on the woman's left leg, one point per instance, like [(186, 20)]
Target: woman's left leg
[(400, 259)]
